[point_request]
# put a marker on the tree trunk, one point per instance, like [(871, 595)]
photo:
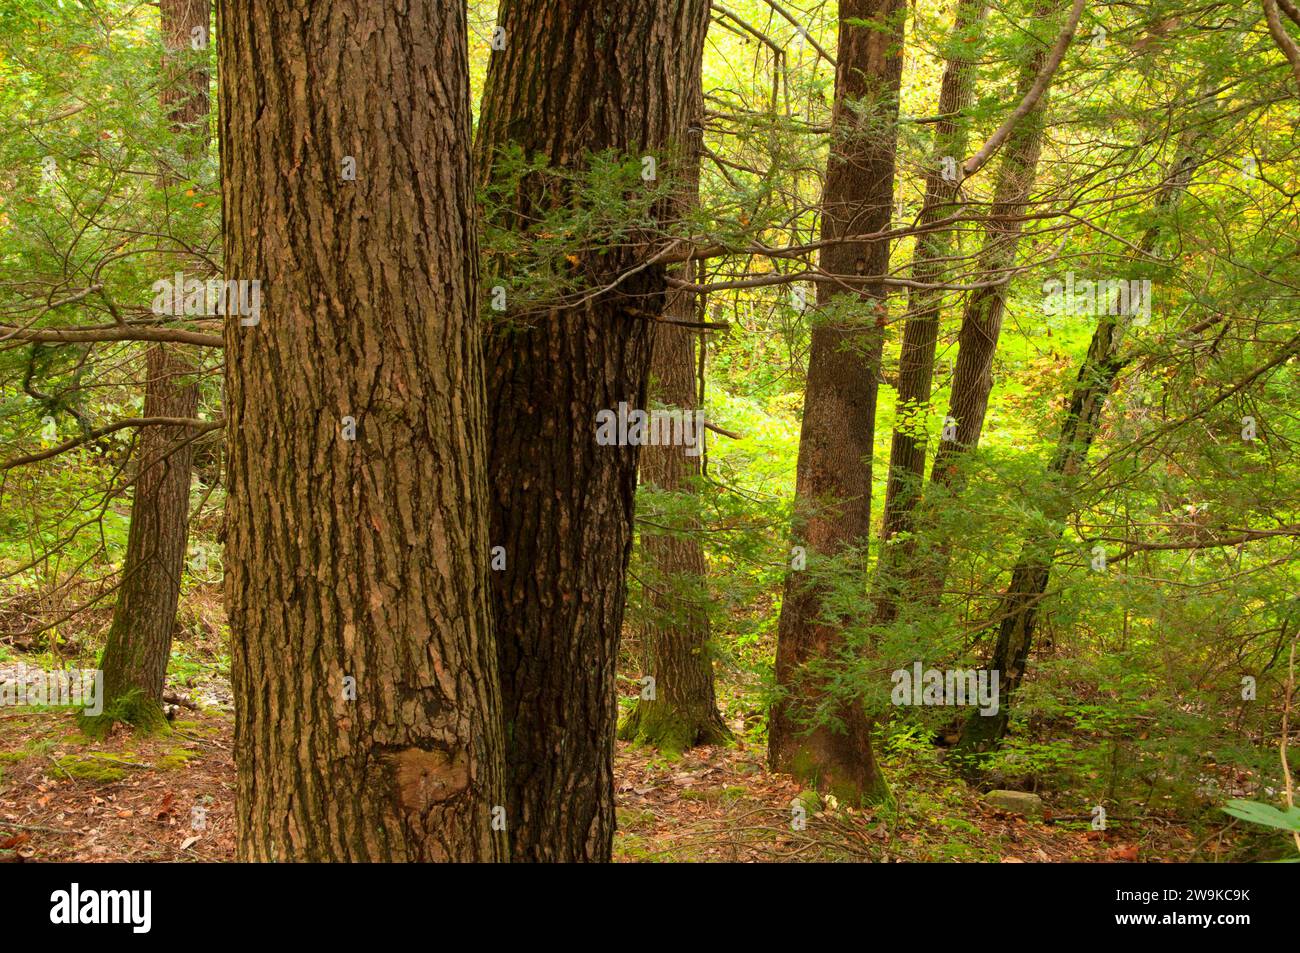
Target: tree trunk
[(367, 720), (574, 78), (139, 642), (140, 636), (921, 329), (981, 321), (833, 486), (683, 712), (1033, 569)]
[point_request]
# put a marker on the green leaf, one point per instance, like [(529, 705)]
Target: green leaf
[(1266, 814)]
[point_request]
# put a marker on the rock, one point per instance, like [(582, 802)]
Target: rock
[(1016, 802)]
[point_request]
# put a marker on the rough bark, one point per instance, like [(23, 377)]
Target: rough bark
[(833, 483), (575, 77), (675, 638), (921, 329), (367, 720), (135, 655)]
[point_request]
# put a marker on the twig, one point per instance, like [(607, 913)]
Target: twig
[(1281, 744)]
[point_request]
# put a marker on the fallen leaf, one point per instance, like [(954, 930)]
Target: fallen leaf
[(1129, 853)]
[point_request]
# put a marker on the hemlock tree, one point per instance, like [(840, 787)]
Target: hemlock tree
[(140, 637), (574, 79), (1025, 593), (833, 487), (924, 303), (367, 722), (981, 320), (683, 711)]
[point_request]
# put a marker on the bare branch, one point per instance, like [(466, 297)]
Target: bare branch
[(202, 426), (1281, 37), (111, 332)]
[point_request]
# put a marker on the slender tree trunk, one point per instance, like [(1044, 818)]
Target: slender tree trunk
[(833, 486), (140, 636), (683, 712), (981, 321), (1033, 569), (921, 329), (367, 720), (574, 78)]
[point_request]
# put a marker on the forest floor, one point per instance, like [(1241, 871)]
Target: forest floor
[(170, 798)]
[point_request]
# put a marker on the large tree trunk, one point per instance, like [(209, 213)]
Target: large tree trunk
[(1033, 569), (367, 720), (921, 329), (683, 711), (575, 77), (140, 636), (833, 486)]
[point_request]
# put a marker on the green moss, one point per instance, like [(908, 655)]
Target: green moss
[(701, 794), (631, 847), (810, 800), (135, 709), (208, 728), (664, 727), (89, 769), (176, 758), (804, 768), (628, 818), (33, 748)]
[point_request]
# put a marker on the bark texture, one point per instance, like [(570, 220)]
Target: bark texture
[(675, 640), (140, 636), (144, 618), (367, 720), (575, 77), (924, 304), (833, 484), (981, 321)]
